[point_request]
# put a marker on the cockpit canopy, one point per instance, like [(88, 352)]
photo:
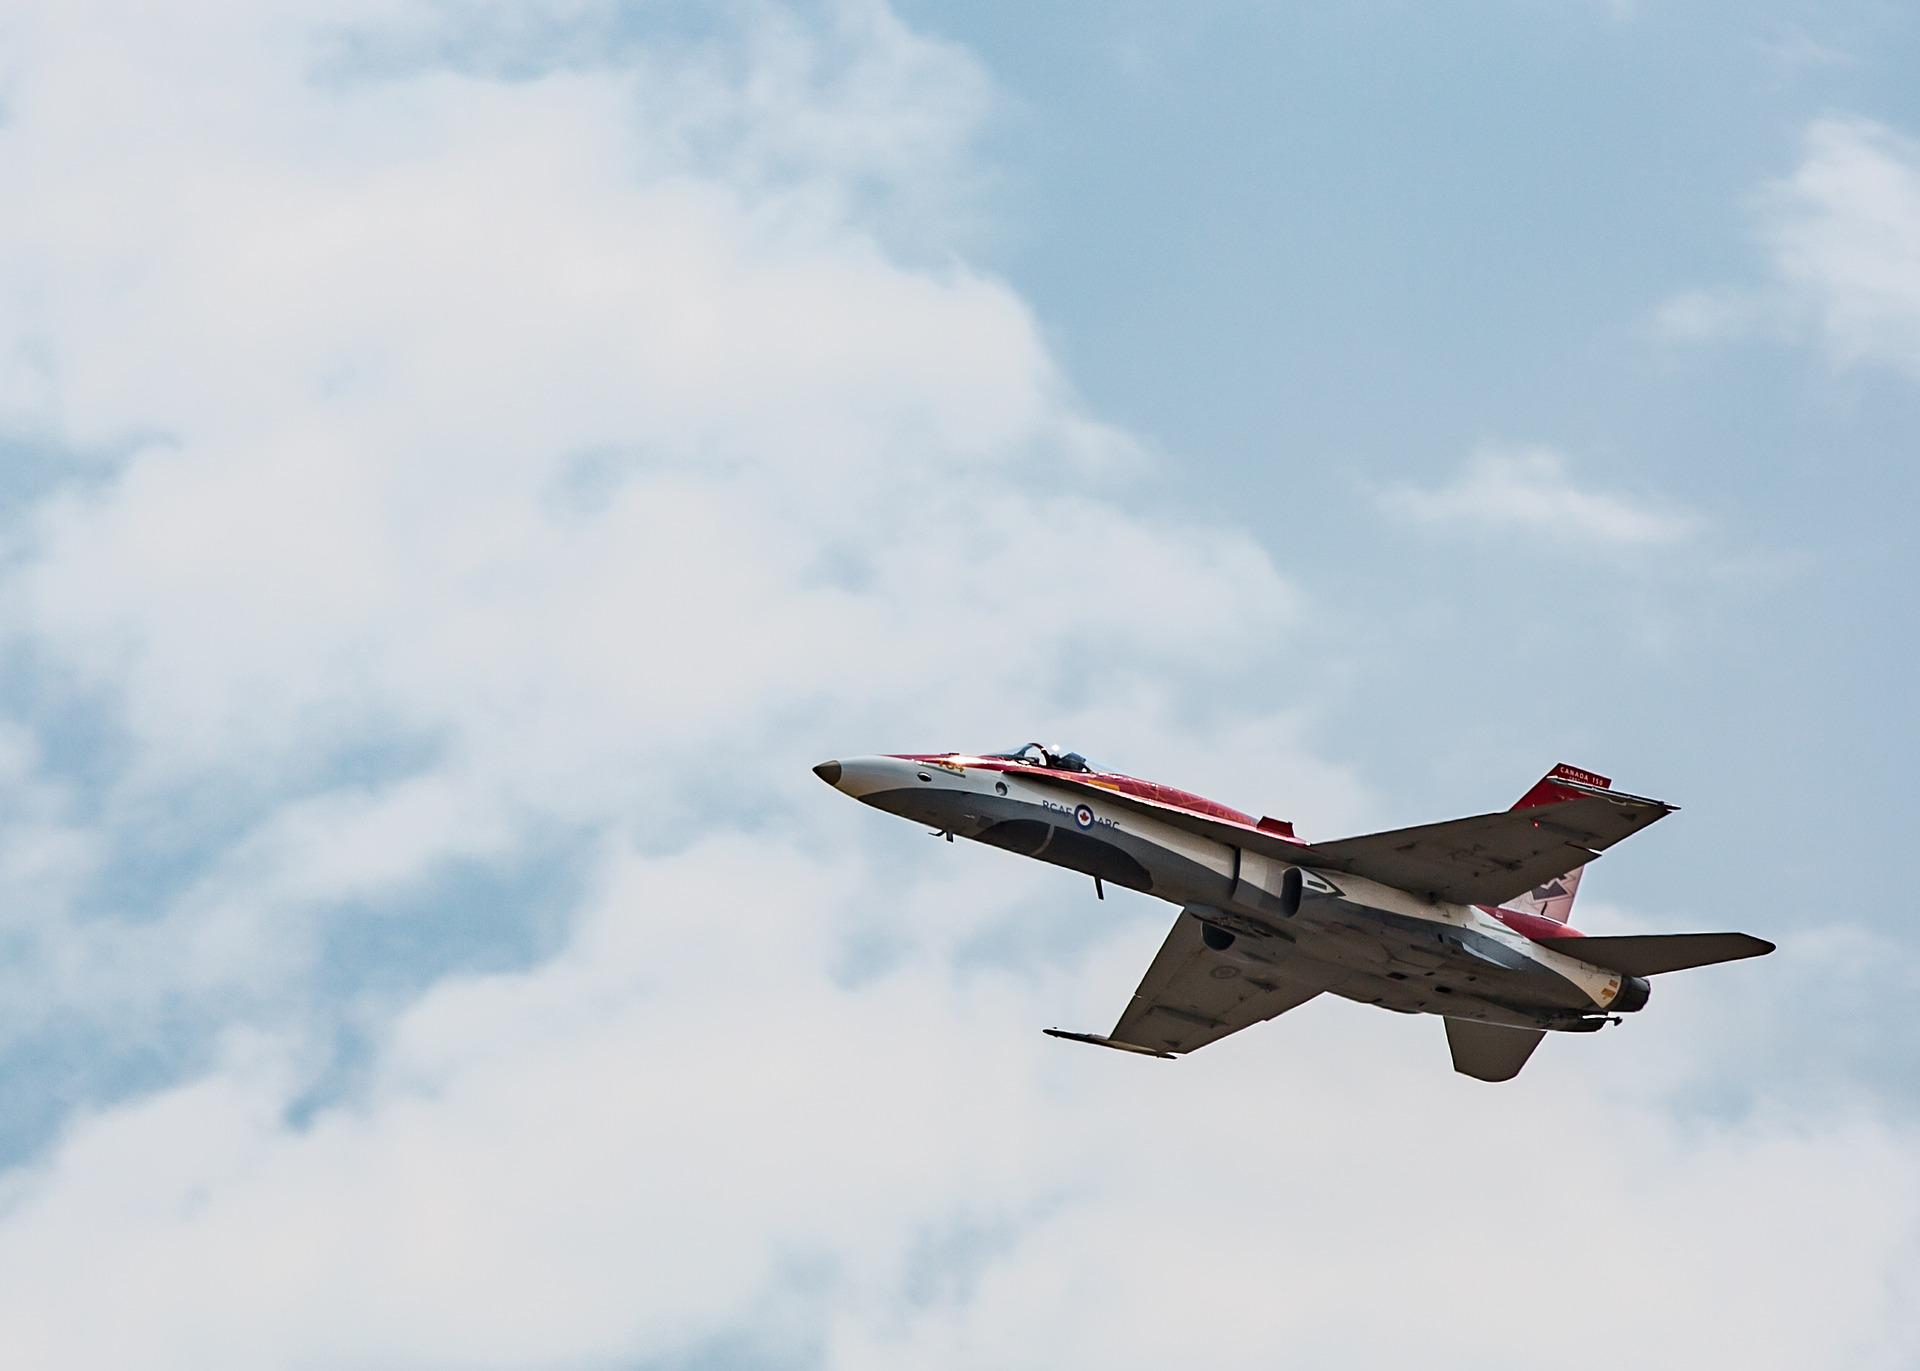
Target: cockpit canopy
[(1036, 754)]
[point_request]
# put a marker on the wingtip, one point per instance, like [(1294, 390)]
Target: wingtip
[(1098, 1040)]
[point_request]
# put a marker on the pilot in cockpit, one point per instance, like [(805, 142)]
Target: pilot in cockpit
[(1053, 758)]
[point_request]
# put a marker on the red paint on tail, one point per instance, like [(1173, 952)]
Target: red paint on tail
[(1554, 899)]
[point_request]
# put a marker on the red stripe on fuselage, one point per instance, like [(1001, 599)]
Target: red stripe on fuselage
[(1113, 781)]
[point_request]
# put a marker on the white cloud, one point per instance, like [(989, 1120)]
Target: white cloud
[(682, 1129), (1701, 316), (1533, 490), (1793, 51), (1844, 233), (1841, 235), (575, 430)]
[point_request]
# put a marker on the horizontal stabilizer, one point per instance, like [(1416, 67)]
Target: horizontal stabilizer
[(1490, 1052), (1650, 954), (1099, 1041)]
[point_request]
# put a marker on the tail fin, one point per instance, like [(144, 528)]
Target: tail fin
[(1490, 1052), (1554, 899)]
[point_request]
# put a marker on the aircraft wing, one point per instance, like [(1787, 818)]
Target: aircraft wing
[(1193, 995), (1491, 858)]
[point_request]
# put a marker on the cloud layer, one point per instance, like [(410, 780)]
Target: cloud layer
[(509, 445), (667, 1140), (497, 450), (1841, 235), (1533, 491)]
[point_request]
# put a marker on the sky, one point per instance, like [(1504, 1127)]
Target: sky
[(463, 461)]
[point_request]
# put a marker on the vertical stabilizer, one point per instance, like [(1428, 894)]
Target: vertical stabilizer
[(1554, 899), (1490, 1052)]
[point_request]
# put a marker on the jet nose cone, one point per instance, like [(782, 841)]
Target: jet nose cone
[(828, 772)]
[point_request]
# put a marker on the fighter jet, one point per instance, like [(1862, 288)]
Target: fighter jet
[(1466, 919)]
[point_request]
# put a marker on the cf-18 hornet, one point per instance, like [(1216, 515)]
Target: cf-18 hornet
[(1466, 919)]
